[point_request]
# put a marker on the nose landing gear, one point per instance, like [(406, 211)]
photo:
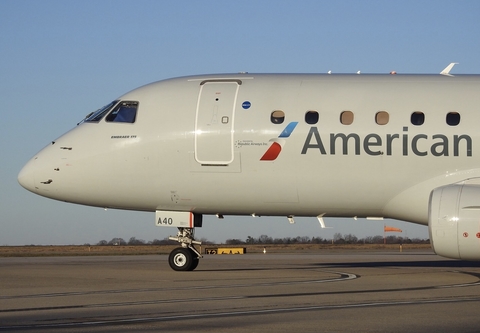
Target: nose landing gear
[(184, 258)]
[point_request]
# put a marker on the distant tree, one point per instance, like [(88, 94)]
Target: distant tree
[(205, 241), (304, 239), (368, 240), (350, 239), (264, 239), (287, 240), (117, 241), (278, 241), (338, 238), (164, 241), (297, 240), (134, 241), (317, 240), (377, 239), (234, 241), (420, 241), (392, 239)]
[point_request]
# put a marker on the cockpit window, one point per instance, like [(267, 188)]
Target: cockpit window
[(124, 112), (98, 115)]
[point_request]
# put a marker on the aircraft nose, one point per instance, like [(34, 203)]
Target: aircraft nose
[(26, 177)]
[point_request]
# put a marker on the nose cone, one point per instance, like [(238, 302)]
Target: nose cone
[(26, 177)]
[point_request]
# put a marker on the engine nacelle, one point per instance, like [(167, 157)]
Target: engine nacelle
[(454, 221)]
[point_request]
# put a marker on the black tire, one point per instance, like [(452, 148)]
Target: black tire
[(182, 259), (195, 262)]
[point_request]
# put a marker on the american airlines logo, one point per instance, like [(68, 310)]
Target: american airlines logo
[(277, 143), (374, 144)]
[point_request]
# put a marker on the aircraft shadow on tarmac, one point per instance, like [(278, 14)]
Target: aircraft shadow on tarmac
[(454, 264), (434, 263)]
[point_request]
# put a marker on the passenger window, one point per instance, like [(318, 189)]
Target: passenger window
[(311, 117), (453, 118), (417, 118), (277, 117), (346, 117), (124, 112), (382, 117)]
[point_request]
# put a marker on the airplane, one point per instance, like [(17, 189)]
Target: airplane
[(400, 146)]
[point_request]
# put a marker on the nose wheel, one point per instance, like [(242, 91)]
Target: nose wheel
[(184, 258)]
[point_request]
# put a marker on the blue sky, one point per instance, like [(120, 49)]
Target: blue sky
[(60, 60)]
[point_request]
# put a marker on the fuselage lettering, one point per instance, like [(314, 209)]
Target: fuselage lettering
[(374, 144)]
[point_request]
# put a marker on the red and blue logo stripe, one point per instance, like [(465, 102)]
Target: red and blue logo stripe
[(277, 143)]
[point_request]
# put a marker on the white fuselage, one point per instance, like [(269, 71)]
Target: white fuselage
[(197, 142)]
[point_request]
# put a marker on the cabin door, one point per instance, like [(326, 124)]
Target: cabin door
[(214, 121)]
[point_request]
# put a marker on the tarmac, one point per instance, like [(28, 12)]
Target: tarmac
[(343, 291)]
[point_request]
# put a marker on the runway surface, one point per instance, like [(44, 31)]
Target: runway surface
[(315, 292)]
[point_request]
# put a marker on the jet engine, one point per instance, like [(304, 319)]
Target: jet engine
[(454, 220)]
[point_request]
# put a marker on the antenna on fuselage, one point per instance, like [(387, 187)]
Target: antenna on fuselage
[(322, 222)]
